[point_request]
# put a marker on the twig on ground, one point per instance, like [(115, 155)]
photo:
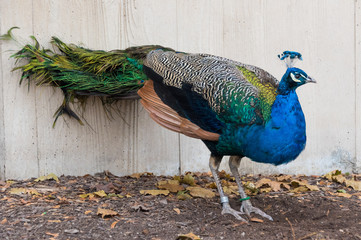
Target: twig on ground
[(293, 231), (307, 236)]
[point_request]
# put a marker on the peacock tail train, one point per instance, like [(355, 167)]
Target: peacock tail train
[(80, 72)]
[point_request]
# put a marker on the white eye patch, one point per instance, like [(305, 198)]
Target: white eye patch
[(294, 78)]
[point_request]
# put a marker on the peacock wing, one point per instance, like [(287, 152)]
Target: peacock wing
[(210, 91), (168, 118)]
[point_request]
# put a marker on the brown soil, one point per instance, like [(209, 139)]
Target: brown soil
[(55, 210)]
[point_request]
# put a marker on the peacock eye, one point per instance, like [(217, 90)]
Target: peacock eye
[(297, 76)]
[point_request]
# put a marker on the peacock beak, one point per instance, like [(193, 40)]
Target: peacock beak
[(310, 80)]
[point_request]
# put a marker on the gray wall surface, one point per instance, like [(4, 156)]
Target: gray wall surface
[(327, 33)]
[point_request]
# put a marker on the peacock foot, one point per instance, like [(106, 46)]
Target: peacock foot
[(247, 208), (228, 210)]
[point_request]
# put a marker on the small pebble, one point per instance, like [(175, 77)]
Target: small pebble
[(71, 231)]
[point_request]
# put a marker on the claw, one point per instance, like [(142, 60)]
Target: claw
[(228, 210), (247, 208)]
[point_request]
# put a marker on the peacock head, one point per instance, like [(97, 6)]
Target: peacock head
[(294, 77)]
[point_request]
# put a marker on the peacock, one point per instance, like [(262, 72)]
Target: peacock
[(236, 109)]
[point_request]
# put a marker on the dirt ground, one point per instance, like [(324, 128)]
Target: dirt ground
[(105, 206)]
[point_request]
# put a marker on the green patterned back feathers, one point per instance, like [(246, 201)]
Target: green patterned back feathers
[(267, 91)]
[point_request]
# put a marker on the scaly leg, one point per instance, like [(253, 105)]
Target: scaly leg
[(214, 163), (246, 207)]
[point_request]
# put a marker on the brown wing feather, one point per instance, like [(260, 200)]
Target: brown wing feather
[(168, 118)]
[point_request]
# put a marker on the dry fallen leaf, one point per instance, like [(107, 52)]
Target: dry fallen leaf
[(52, 234), (113, 195), (24, 202), (5, 186), (299, 189), (312, 187), (85, 195), (188, 179), (339, 179), (230, 190), (227, 183), (106, 212), (212, 185), (171, 185), (4, 221), (87, 212), (108, 188), (265, 190), (33, 191), (275, 186), (45, 189), (51, 176), (322, 183), (19, 191), (332, 174), (297, 183), (224, 174), (346, 195), (177, 210), (164, 182), (250, 188), (304, 184), (177, 178), (182, 195), (138, 175), (201, 192), (100, 193), (256, 220), (54, 221), (340, 194), (62, 199), (356, 185), (135, 175), (175, 182), (189, 236), (236, 225), (154, 192), (336, 176), (284, 178), (286, 185), (113, 224)]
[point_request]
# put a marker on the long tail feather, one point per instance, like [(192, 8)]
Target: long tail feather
[(81, 72)]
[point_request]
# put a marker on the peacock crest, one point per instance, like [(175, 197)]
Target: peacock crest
[(290, 58)]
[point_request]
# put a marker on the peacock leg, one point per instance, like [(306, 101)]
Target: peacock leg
[(246, 207), (214, 163)]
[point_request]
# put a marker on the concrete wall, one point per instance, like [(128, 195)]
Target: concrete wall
[(327, 33)]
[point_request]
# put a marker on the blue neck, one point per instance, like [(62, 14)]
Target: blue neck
[(286, 109), (286, 87)]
